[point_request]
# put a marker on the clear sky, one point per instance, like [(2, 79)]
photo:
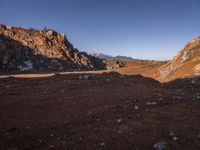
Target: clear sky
[(152, 29)]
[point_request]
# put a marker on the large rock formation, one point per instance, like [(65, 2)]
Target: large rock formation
[(30, 49), (185, 64)]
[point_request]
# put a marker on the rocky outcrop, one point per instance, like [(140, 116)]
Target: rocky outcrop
[(29, 49), (186, 63), (113, 64)]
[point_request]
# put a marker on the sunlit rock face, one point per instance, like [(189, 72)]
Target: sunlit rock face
[(30, 49), (185, 63)]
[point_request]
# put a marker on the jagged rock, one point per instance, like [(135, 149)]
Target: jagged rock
[(186, 62), (30, 49), (113, 64)]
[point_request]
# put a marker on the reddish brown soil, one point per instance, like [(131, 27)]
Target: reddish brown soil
[(61, 112)]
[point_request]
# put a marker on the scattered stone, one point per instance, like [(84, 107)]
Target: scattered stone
[(160, 146), (151, 103), (178, 97), (85, 95), (119, 132), (158, 94), (72, 97), (197, 96), (7, 86), (80, 77), (62, 91), (86, 77), (90, 112), (178, 90), (63, 142), (83, 77), (173, 136), (119, 120), (90, 90), (102, 144), (98, 119), (138, 115), (136, 107)]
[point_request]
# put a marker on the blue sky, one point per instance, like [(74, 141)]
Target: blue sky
[(147, 29)]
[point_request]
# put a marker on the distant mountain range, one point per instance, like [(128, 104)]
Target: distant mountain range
[(109, 57)]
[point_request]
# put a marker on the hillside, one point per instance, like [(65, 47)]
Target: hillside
[(29, 49), (46, 50), (185, 64)]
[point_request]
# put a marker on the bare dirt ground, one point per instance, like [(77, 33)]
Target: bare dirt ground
[(145, 68), (106, 111)]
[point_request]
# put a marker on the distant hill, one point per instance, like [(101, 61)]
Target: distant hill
[(102, 56), (109, 57)]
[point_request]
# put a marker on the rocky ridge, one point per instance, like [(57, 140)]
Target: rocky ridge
[(30, 49), (185, 64)]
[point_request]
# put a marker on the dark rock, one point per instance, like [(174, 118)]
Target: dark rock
[(160, 146)]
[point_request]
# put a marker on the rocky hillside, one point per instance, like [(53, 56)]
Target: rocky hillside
[(185, 64), (30, 49)]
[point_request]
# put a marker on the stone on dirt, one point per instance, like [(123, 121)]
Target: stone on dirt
[(160, 146), (83, 77), (151, 103)]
